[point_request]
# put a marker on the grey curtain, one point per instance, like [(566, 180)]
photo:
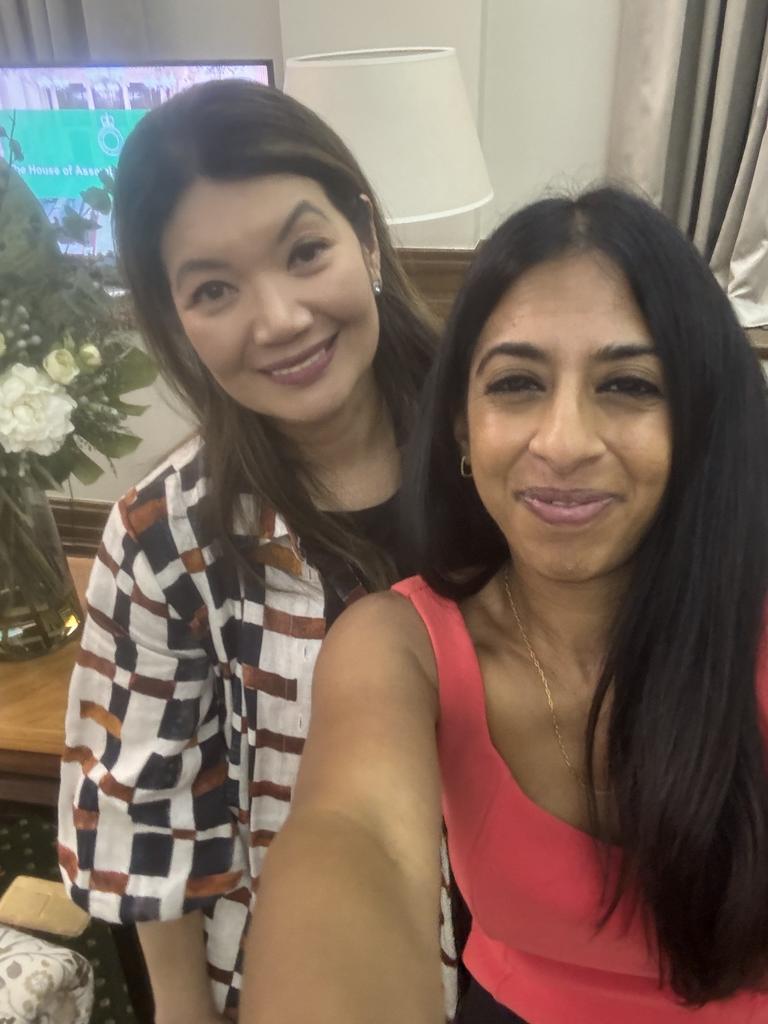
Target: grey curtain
[(689, 127), (56, 31)]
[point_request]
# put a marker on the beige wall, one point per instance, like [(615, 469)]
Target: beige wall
[(548, 70), (539, 74), (125, 30), (220, 29), (318, 26)]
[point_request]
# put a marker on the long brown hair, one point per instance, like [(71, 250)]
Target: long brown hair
[(230, 131)]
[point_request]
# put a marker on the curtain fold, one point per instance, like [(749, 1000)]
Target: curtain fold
[(740, 256), (13, 35), (689, 128), (650, 44), (42, 31), (56, 31)]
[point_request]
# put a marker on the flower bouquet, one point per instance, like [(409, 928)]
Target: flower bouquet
[(67, 358)]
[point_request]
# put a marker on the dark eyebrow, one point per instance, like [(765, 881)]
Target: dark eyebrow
[(298, 211), (606, 354), (521, 349), (624, 350)]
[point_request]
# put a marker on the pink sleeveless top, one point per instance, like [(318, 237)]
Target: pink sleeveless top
[(533, 882)]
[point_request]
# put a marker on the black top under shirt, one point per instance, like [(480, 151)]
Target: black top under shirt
[(381, 525)]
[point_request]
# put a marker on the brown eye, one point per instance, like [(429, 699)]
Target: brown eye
[(513, 383), (210, 291), (306, 253), (632, 387)]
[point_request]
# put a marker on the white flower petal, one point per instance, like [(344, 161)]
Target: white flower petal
[(34, 411)]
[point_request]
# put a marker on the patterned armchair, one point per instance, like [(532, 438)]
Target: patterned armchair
[(41, 983)]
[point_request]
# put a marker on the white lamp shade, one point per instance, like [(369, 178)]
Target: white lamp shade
[(406, 117)]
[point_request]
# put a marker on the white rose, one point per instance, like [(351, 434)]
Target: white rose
[(35, 412), (60, 366), (90, 356), (2, 344)]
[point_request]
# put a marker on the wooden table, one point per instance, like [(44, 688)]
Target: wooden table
[(33, 700)]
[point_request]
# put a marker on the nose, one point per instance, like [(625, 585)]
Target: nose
[(566, 433), (278, 313)]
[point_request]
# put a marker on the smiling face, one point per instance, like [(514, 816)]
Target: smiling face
[(567, 428), (274, 291)]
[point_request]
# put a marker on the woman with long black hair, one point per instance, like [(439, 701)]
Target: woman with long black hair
[(578, 676)]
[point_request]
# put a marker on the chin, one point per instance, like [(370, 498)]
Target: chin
[(569, 573), (562, 568)]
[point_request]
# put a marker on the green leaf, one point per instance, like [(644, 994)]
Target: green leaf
[(116, 445), (75, 227), (108, 441), (85, 469), (128, 408), (107, 179), (135, 370), (98, 199), (33, 259)]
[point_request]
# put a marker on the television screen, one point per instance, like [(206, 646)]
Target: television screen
[(62, 129)]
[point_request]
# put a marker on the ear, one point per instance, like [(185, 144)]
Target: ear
[(369, 240)]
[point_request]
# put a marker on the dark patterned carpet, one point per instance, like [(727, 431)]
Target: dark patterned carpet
[(27, 847)]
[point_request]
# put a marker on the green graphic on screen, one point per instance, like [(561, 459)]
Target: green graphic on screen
[(63, 153), (63, 127), (64, 150)]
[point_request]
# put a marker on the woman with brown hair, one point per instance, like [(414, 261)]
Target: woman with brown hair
[(267, 288)]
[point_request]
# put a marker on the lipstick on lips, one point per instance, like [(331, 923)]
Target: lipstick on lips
[(304, 368), (565, 507)]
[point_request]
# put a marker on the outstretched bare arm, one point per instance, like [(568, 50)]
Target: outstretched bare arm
[(346, 925)]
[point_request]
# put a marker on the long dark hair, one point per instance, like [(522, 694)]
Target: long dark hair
[(230, 131), (686, 756)]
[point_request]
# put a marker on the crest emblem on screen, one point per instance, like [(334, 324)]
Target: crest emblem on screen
[(110, 139)]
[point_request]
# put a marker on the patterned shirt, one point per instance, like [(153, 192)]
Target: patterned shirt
[(188, 710)]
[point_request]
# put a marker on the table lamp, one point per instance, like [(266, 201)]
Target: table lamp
[(406, 117)]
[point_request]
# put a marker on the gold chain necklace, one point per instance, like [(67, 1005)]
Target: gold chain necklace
[(550, 702)]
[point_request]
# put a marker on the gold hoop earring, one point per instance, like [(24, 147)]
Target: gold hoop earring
[(465, 468)]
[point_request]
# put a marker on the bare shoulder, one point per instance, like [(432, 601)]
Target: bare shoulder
[(371, 753), (387, 632)]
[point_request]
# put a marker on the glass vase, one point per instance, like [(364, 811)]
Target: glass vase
[(39, 608)]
